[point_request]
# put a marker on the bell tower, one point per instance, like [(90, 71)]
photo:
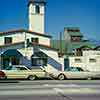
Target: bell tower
[(36, 15)]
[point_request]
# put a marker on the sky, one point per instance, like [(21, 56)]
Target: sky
[(59, 14)]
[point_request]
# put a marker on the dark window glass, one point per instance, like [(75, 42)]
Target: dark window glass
[(74, 69), (78, 60), (8, 40), (92, 60), (35, 40), (39, 61), (21, 68), (28, 42), (39, 58), (80, 69), (37, 9)]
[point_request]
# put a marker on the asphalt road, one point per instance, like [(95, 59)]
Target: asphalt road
[(50, 90)]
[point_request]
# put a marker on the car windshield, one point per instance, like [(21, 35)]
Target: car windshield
[(9, 68)]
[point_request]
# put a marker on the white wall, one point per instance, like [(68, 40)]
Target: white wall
[(86, 64), (20, 37), (91, 52), (53, 59), (42, 40), (16, 37), (1, 40), (36, 21)]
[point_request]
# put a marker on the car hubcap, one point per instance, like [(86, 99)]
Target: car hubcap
[(32, 77), (61, 77)]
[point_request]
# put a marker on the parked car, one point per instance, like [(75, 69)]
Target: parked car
[(75, 73), (22, 72)]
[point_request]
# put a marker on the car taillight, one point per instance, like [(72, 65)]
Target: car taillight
[(2, 74)]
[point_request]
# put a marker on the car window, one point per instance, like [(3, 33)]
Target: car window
[(80, 69), (9, 68), (13, 68), (74, 69), (21, 68)]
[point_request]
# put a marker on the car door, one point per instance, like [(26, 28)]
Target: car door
[(74, 72), (22, 73), (82, 73), (11, 73), (39, 73)]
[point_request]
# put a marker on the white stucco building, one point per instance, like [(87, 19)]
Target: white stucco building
[(30, 47), (90, 60), (37, 15)]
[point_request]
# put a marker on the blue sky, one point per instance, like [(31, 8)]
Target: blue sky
[(59, 14)]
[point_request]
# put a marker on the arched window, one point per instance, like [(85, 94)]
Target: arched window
[(37, 9)]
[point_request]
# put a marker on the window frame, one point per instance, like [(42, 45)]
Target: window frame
[(35, 40), (92, 60), (7, 40), (78, 60)]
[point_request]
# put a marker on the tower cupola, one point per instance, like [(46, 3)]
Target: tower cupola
[(36, 15)]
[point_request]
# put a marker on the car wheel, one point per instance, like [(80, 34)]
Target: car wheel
[(61, 77), (32, 77)]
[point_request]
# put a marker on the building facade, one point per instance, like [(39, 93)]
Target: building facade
[(90, 60), (37, 15), (30, 47), (73, 45)]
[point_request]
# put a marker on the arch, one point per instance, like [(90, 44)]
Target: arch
[(10, 57), (11, 52)]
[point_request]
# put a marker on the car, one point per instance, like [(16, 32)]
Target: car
[(22, 72), (75, 73)]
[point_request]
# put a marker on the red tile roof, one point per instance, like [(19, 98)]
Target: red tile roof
[(24, 30), (33, 43)]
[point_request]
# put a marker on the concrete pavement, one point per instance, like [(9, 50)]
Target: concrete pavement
[(51, 89)]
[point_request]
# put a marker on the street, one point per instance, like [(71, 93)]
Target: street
[(50, 90)]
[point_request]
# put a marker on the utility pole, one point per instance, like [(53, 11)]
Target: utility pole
[(60, 44), (25, 44)]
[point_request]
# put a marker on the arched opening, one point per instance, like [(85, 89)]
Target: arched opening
[(10, 57), (39, 58)]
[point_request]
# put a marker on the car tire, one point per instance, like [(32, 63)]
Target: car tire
[(32, 77), (61, 77)]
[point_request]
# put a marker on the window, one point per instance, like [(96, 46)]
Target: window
[(14, 60), (39, 61), (35, 40), (39, 58), (37, 9), (8, 40), (78, 60), (21, 68), (73, 69), (92, 60), (28, 42)]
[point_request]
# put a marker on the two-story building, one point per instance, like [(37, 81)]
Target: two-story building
[(30, 47)]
